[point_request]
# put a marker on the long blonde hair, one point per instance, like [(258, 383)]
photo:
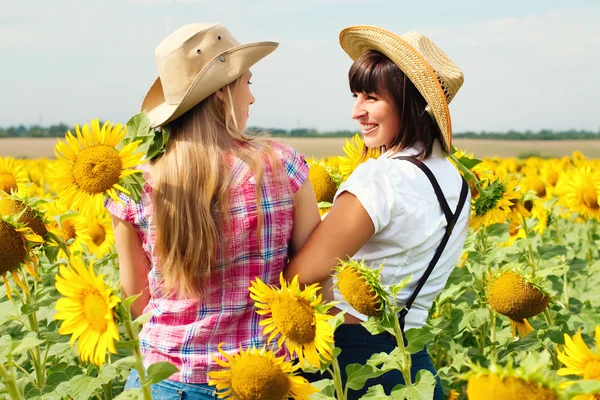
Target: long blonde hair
[(191, 186)]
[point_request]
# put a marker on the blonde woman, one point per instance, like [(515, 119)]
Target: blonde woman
[(409, 208), (218, 210)]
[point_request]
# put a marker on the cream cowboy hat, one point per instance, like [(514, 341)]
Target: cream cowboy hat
[(435, 76), (194, 62)]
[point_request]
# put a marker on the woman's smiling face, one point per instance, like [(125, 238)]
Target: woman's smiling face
[(378, 119)]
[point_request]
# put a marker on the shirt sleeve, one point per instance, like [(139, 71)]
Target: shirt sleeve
[(294, 164), (121, 209), (372, 186)]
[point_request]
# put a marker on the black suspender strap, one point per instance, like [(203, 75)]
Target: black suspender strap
[(451, 219)]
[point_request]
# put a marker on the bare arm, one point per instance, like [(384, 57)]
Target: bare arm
[(306, 216), (342, 233), (133, 264)]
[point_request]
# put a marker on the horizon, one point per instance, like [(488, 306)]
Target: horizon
[(524, 63)]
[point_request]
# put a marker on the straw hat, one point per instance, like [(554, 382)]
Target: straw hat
[(194, 62), (435, 76)]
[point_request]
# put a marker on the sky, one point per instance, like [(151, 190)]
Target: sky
[(528, 64)]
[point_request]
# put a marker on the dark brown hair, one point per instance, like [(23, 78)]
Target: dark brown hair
[(374, 73)]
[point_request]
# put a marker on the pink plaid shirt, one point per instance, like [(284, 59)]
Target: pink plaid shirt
[(187, 332)]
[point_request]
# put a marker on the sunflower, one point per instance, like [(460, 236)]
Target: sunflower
[(494, 204), (16, 243), (258, 374), (323, 186), (495, 387), (90, 166), (72, 226), (12, 177), (101, 235), (27, 214), (294, 314), (87, 311), (541, 215), (515, 232), (361, 288), (580, 192), (512, 295), (579, 359), (354, 155)]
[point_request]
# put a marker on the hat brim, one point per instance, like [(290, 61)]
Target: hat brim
[(215, 75), (357, 40)]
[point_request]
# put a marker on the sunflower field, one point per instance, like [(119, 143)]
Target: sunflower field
[(519, 317)]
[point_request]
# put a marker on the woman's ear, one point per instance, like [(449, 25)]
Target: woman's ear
[(221, 95)]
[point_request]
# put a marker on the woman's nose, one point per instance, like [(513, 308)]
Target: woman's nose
[(358, 109)]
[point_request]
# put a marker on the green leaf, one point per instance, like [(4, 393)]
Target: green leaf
[(142, 319), (387, 361), (548, 252), (469, 162), (28, 342), (474, 318), (357, 375), (157, 146), (395, 289), (422, 389), (418, 338), (583, 387), (529, 342), (131, 394), (497, 230), (134, 184), (160, 371), (337, 320), (326, 388), (8, 312), (375, 393), (324, 204), (83, 387), (129, 301), (138, 128)]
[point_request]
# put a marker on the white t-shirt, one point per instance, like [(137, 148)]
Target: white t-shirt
[(409, 225)]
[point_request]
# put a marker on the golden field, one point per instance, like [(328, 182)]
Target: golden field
[(323, 147)]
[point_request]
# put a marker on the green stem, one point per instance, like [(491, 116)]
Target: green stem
[(337, 380), (10, 383), (469, 176), (530, 258), (548, 317), (139, 361), (406, 360), (36, 354), (494, 353), (22, 370)]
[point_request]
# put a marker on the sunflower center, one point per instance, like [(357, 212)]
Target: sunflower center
[(538, 185), (358, 293), (254, 377), (97, 169), (592, 370), (12, 248), (9, 206), (487, 387), (589, 197), (295, 318), (97, 233), (68, 229), (95, 309), (7, 182), (511, 295)]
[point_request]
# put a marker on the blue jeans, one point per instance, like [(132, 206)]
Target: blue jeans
[(173, 390), (357, 346)]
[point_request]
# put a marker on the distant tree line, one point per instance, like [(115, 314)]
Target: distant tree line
[(59, 130)]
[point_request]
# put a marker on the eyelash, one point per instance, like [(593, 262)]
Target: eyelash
[(368, 97), (249, 83)]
